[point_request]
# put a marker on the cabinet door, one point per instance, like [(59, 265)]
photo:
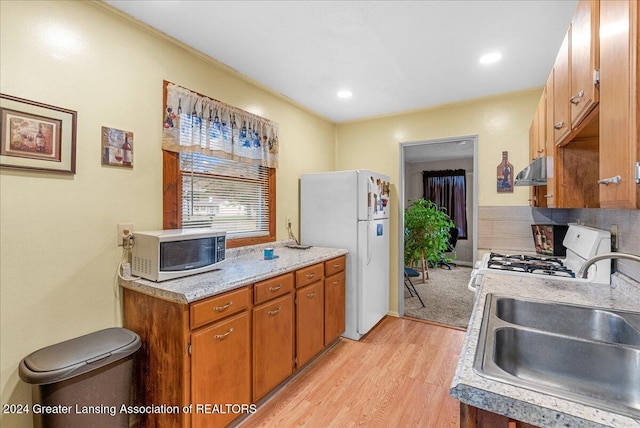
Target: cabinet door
[(619, 147), (334, 307), (550, 146), (561, 90), (309, 322), (272, 344), (584, 59), (221, 369)]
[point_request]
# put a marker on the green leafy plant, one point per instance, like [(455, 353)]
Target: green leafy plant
[(426, 235)]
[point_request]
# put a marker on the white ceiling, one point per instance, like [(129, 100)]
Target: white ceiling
[(393, 55)]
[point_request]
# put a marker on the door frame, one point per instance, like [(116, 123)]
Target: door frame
[(401, 204)]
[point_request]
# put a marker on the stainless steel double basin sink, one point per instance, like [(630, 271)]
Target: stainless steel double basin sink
[(584, 354)]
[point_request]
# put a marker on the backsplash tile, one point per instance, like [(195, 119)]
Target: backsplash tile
[(509, 228)]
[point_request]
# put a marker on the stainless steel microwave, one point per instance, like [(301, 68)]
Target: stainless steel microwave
[(161, 255)]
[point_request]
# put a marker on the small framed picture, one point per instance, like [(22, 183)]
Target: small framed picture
[(117, 147), (36, 136)]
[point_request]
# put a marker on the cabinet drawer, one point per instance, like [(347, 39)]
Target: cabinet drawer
[(218, 307), (334, 265), (309, 274), (273, 287)]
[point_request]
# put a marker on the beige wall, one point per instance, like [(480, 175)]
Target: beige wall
[(58, 247), (501, 123)]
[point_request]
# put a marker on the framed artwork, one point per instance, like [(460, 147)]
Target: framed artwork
[(117, 147), (36, 136)]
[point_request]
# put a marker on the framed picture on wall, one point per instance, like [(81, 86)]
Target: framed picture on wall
[(36, 136), (117, 147)]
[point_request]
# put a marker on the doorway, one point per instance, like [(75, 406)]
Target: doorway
[(438, 154)]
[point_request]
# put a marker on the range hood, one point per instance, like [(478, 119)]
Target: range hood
[(533, 175)]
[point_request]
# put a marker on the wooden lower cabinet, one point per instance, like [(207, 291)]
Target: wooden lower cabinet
[(221, 370), (334, 307), (230, 349), (309, 322), (272, 344)]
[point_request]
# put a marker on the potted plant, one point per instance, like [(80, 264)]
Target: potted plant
[(426, 236)]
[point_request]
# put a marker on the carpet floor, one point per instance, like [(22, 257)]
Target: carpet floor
[(445, 295)]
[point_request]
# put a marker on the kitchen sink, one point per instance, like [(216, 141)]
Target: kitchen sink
[(584, 354), (604, 325)]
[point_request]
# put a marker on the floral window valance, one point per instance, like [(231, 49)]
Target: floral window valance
[(196, 123)]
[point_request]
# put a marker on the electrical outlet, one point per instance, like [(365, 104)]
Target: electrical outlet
[(124, 230)]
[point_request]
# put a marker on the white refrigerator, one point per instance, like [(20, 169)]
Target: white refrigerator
[(350, 209)]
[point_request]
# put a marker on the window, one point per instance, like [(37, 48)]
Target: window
[(228, 195)]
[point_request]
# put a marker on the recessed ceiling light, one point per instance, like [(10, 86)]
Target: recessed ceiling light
[(490, 57), (345, 94)]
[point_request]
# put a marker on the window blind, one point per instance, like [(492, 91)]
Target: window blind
[(224, 194)]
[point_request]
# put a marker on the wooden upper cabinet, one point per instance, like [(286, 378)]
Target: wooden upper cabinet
[(561, 92), (537, 149), (584, 57), (551, 195), (542, 132), (619, 146)]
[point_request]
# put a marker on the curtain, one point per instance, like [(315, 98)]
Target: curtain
[(195, 123), (448, 189)]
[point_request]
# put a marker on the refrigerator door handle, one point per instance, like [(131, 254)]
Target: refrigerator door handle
[(368, 243), (370, 208)]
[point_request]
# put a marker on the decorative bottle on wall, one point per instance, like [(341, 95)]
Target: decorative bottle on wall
[(127, 155), (505, 175), (40, 139)]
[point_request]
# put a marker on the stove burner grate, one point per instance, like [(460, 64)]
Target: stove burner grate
[(530, 264)]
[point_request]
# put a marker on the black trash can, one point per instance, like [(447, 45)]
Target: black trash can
[(82, 382)]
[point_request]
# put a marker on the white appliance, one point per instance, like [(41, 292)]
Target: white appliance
[(160, 255), (350, 210), (581, 243)]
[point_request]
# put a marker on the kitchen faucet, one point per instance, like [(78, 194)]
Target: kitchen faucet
[(582, 273)]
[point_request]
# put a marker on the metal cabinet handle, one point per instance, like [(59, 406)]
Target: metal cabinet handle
[(559, 125), (335, 283), (611, 180), (276, 288), (336, 266), (222, 336), (548, 195), (222, 308), (275, 311), (575, 100), (310, 295), (311, 275), (540, 151)]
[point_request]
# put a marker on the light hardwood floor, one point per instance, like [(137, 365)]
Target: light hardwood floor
[(396, 376)]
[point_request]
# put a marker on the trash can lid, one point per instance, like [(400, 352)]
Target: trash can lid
[(77, 356)]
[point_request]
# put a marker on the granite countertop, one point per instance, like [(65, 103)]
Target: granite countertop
[(241, 267), (523, 404)]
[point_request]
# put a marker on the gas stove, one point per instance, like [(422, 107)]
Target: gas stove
[(529, 264), (581, 243)]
